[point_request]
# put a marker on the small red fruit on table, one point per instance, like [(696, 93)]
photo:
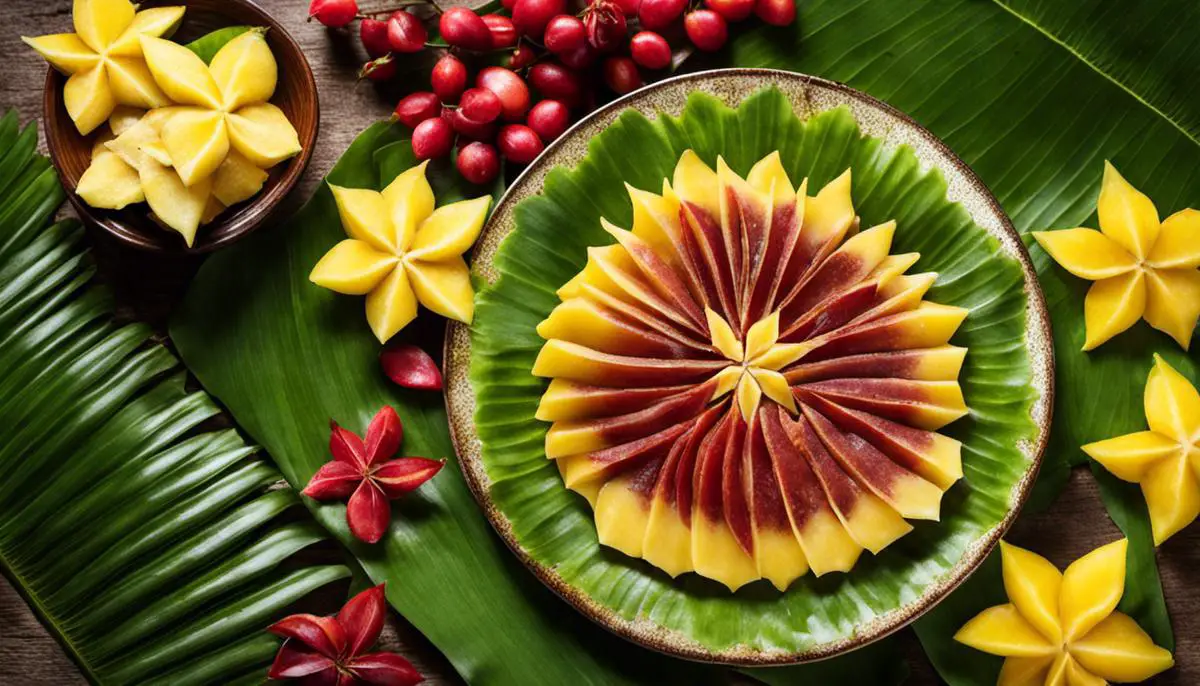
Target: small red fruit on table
[(650, 50), (513, 93), (621, 75), (406, 33), (417, 107), (432, 138), (448, 78), (565, 33), (531, 16), (464, 29), (706, 29), (333, 13)]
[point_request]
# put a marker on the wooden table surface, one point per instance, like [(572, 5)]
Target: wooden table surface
[(1075, 524)]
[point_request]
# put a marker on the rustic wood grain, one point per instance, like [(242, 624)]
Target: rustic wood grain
[(148, 287)]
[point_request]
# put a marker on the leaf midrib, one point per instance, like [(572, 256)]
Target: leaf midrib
[(1079, 55)]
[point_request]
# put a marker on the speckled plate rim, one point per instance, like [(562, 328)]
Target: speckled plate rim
[(809, 96)]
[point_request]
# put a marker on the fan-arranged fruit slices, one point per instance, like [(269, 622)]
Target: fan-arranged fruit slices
[(747, 386)]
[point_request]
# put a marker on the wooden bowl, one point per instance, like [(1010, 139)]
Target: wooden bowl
[(296, 95)]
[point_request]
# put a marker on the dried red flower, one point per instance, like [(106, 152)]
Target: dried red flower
[(411, 367), (362, 471), (332, 650)]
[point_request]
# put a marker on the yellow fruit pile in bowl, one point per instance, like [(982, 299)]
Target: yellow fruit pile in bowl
[(154, 137)]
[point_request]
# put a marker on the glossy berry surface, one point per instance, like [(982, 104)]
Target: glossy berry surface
[(706, 30), (449, 78), (374, 36), (776, 12), (417, 107), (659, 14), (511, 89), (333, 13), (731, 10), (406, 33), (432, 138), (650, 50), (519, 143), (556, 82), (462, 28), (531, 16), (504, 34), (565, 33), (549, 119), (478, 162), (621, 75), (480, 105)]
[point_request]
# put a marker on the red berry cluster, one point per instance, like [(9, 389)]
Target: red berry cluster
[(540, 46)]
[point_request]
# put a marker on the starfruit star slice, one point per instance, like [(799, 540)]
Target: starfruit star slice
[(237, 180), (180, 207), (197, 140), (160, 22), (1091, 588), (1033, 585), (1178, 245), (108, 183), (1117, 649), (1173, 302), (100, 22), (88, 99), (180, 73), (245, 71), (1172, 404), (1126, 215), (449, 230), (263, 134), (66, 52), (353, 267)]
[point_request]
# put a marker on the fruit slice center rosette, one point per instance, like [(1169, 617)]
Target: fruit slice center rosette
[(746, 385)]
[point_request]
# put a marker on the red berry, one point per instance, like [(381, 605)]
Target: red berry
[(522, 57), (374, 36), (776, 12), (381, 69), (467, 128), (531, 16), (658, 14), (621, 75), (706, 29), (650, 50), (480, 105), (629, 7), (448, 78), (513, 93), (406, 33), (417, 107), (582, 58), (731, 10), (557, 82), (519, 143), (333, 13), (605, 22), (504, 34), (478, 162), (432, 138), (565, 33), (549, 119), (462, 28)]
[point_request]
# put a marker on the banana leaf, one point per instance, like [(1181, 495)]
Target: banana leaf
[(285, 357), (154, 550), (1035, 96), (548, 247)]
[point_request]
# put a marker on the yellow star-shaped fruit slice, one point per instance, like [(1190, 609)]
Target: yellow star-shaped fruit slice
[(223, 106), (1062, 628), (401, 251), (1142, 268), (1165, 460), (103, 58)]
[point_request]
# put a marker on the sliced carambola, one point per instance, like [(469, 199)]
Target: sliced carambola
[(588, 435), (777, 553), (872, 523), (715, 551), (560, 359), (582, 468), (612, 269), (906, 493), (827, 218), (931, 455), (827, 546), (942, 363), (668, 540), (623, 508), (565, 399), (109, 183), (585, 322), (847, 266), (928, 326), (923, 404), (656, 272), (706, 244), (641, 314)]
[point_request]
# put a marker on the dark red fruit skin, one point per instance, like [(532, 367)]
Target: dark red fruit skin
[(650, 50), (480, 105), (579, 59), (531, 16), (565, 33), (706, 29), (465, 127), (508, 4), (629, 7), (776, 12), (513, 93), (731, 10), (522, 57), (448, 78), (556, 82), (333, 13), (621, 75), (374, 36), (478, 162), (519, 143), (406, 33), (549, 119), (381, 69), (417, 107), (462, 28), (432, 138), (606, 27), (504, 34), (658, 14)]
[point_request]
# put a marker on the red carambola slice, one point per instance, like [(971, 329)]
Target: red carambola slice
[(661, 277), (934, 457), (827, 546), (777, 553), (707, 246), (928, 326), (923, 404), (906, 493), (832, 313), (590, 324), (638, 312), (564, 360), (612, 269), (942, 363), (589, 435), (715, 551), (847, 266), (780, 239), (828, 217), (668, 540), (871, 522), (565, 399)]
